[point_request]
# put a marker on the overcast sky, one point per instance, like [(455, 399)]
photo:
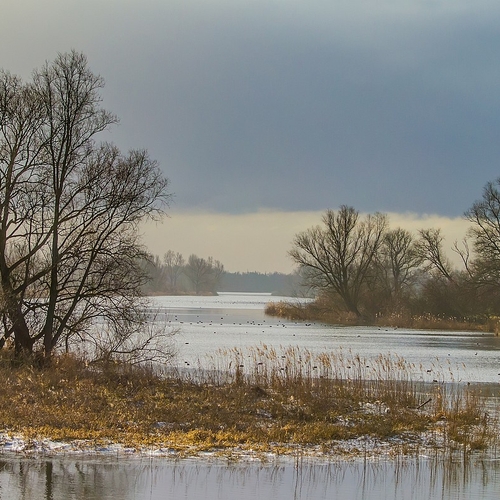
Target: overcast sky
[(266, 113)]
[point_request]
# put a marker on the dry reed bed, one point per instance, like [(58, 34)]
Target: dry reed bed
[(323, 311), (262, 399)]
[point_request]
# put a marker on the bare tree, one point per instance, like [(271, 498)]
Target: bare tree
[(447, 290), (398, 263), (337, 257), (485, 217), (174, 267), (69, 248), (204, 274), (198, 272), (217, 272), (430, 249)]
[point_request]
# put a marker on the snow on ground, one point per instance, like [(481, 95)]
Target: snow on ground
[(365, 447)]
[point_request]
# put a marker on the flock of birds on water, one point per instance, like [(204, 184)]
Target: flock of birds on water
[(211, 323)]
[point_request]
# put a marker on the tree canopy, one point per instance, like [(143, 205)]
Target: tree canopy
[(70, 208)]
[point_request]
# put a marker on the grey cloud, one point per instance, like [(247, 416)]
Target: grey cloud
[(387, 106)]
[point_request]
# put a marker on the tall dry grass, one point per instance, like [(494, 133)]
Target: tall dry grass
[(339, 395), (260, 399), (321, 310)]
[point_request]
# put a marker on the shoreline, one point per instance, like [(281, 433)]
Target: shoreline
[(313, 311), (364, 448), (293, 404)]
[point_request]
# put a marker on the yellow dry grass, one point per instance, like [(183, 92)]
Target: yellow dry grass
[(323, 311), (261, 399)]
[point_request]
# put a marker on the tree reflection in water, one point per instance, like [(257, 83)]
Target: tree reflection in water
[(65, 478)]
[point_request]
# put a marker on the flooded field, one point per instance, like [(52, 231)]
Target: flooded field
[(207, 324)]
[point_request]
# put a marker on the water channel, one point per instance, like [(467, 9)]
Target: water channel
[(206, 324)]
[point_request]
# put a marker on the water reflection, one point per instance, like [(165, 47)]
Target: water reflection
[(61, 478), (154, 479)]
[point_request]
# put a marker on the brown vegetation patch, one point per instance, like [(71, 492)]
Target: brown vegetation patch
[(271, 401), (321, 310)]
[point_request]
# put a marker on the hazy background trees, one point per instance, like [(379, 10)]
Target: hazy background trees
[(173, 265), (70, 206), (173, 275), (204, 274)]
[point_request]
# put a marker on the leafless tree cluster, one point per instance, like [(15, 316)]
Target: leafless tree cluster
[(370, 269), (70, 207)]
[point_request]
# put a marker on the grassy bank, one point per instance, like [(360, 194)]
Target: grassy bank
[(261, 400), (319, 311)]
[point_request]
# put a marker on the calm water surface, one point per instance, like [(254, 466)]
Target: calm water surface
[(207, 324), (156, 479)]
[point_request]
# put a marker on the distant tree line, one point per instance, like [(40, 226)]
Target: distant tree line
[(361, 266), (172, 274), (276, 283)]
